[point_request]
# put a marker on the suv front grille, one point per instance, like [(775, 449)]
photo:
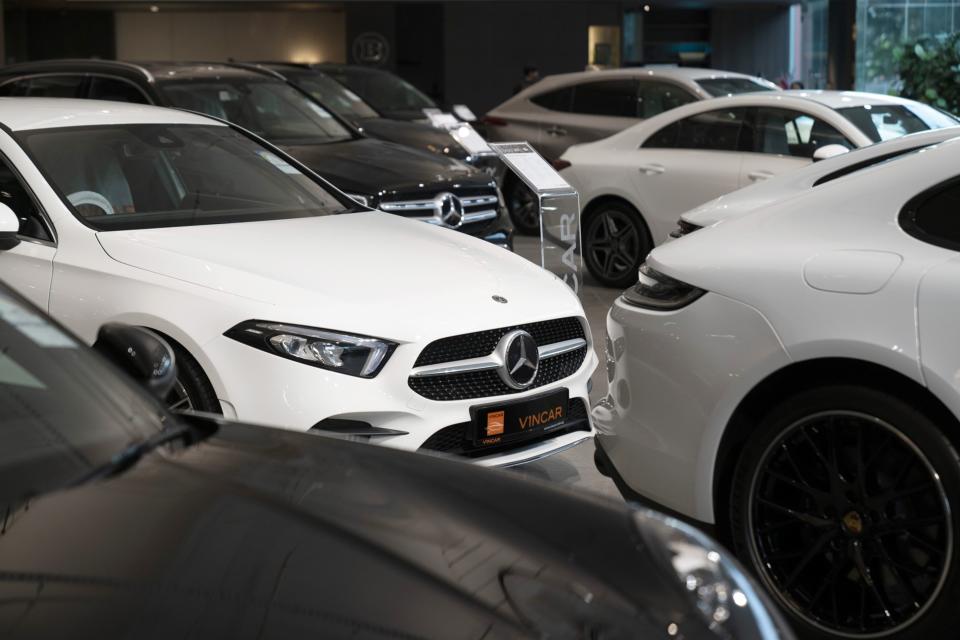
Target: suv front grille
[(479, 205), (455, 439), (481, 343)]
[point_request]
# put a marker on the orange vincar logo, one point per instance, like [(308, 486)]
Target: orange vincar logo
[(495, 423)]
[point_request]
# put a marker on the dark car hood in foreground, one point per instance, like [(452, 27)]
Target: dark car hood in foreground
[(413, 134), (368, 167), (261, 533)]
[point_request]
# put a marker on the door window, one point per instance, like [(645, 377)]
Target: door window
[(789, 133), (657, 97), (616, 98), (115, 89), (932, 217), (15, 195), (556, 100), (65, 86), (713, 131)]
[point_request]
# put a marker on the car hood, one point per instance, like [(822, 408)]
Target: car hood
[(262, 533), (369, 167), (413, 134), (348, 269)]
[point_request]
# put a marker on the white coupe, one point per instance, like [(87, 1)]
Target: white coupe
[(635, 184), (792, 377), (286, 303)]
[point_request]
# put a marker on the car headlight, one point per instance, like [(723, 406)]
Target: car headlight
[(356, 197), (353, 355), (659, 292), (713, 580)]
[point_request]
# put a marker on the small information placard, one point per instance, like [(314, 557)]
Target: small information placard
[(463, 112), (531, 167), (470, 140), (559, 205), (443, 120)]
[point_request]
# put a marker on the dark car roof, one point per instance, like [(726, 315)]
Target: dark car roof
[(148, 70)]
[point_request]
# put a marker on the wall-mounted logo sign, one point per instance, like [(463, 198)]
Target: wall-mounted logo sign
[(371, 48)]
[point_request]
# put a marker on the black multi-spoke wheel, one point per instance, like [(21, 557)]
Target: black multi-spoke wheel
[(192, 389), (615, 242), (523, 205), (840, 504)]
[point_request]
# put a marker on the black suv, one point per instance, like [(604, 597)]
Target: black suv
[(394, 178)]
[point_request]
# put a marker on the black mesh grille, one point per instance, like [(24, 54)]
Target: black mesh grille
[(455, 438), (482, 384), (482, 343)]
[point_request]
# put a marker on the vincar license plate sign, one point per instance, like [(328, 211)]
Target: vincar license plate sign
[(559, 210)]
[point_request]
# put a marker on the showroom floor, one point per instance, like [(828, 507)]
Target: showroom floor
[(575, 467)]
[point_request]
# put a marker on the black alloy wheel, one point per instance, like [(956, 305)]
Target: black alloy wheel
[(841, 506), (523, 206), (616, 242), (192, 390)]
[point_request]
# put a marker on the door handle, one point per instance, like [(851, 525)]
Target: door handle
[(652, 169), (759, 175), (556, 131)]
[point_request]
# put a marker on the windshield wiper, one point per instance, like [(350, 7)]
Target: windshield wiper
[(135, 451)]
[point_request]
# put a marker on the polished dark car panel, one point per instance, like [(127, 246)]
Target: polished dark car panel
[(356, 164), (406, 132), (262, 533)]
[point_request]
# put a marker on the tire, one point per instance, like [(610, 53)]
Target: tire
[(523, 207), (192, 390), (615, 243), (838, 483)]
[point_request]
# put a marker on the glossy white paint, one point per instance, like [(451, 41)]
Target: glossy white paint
[(552, 132), (743, 201), (366, 273), (825, 273), (662, 184)]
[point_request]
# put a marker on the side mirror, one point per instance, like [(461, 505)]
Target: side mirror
[(829, 151), (141, 353), (9, 227)]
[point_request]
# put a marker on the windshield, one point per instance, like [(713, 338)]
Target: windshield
[(731, 86), (63, 411), (334, 95), (887, 121), (384, 91), (273, 110), (152, 175)]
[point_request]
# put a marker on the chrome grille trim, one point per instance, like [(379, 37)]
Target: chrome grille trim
[(493, 361)]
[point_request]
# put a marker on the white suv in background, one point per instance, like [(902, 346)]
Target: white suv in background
[(287, 303), (791, 377)]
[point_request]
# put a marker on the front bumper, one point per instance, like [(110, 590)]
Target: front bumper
[(296, 396), (675, 379)]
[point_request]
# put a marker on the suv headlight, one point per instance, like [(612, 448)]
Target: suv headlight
[(659, 292), (353, 355), (713, 580)]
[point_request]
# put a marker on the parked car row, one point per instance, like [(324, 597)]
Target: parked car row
[(228, 276), (782, 373)]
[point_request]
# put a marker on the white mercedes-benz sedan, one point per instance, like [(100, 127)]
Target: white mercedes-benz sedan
[(286, 302), (635, 184), (792, 377), (743, 201)]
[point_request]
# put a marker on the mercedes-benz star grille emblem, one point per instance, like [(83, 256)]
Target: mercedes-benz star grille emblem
[(448, 209), (520, 357)]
